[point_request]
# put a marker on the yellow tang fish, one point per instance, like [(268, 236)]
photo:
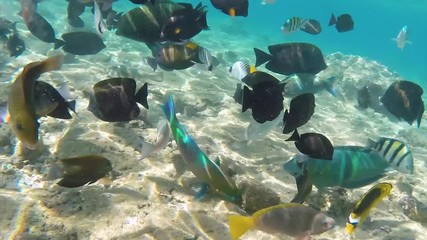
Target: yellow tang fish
[(22, 114), (371, 198)]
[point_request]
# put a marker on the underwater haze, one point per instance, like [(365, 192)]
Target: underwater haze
[(156, 119)]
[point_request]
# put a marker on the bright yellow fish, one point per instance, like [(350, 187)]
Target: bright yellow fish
[(371, 198), (22, 114)]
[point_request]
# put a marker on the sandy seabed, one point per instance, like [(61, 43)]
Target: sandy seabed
[(150, 199)]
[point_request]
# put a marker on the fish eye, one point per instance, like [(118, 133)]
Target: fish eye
[(19, 127)]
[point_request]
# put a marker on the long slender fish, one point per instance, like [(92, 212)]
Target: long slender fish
[(22, 114), (196, 160)]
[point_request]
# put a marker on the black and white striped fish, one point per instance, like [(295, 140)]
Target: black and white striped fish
[(397, 154), (293, 24), (205, 57)]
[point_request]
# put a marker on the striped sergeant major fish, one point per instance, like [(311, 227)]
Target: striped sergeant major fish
[(310, 26), (396, 153), (293, 24)]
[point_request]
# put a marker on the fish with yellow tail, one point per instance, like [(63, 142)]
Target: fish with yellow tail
[(209, 172), (21, 104), (292, 219), (371, 198)]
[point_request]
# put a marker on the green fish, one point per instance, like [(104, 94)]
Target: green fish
[(197, 162), (351, 167)]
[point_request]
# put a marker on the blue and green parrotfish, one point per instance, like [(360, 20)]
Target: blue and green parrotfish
[(197, 162)]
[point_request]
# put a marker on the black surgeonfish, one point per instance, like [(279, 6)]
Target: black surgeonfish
[(185, 23), (15, 45), (314, 145), (145, 23), (301, 110), (312, 27), (176, 56), (79, 171), (48, 101), (114, 99), (266, 97), (82, 43), (343, 23), (403, 100), (38, 25), (76, 8), (232, 7), (292, 58)]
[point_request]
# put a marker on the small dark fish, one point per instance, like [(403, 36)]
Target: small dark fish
[(114, 99), (42, 29), (142, 1), (232, 8), (6, 27), (363, 97), (48, 101), (403, 100), (15, 45), (145, 22), (312, 26), (79, 171), (291, 58), (314, 145), (82, 43), (343, 23), (176, 56), (74, 10), (185, 23), (301, 110), (266, 97)]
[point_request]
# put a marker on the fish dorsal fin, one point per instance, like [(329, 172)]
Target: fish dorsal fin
[(32, 72), (284, 205)]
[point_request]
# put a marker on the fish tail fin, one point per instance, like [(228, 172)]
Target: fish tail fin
[(203, 23), (295, 137), (152, 62), (72, 105), (332, 20), (370, 143), (55, 172), (146, 149), (246, 99), (141, 95), (169, 109), (58, 43), (261, 57), (239, 225), (330, 86)]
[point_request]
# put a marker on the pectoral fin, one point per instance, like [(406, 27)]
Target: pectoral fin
[(304, 187)]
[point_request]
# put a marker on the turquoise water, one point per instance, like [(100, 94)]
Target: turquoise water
[(148, 199)]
